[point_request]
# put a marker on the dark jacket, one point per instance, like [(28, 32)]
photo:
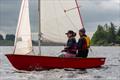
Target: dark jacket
[(81, 46), (71, 46)]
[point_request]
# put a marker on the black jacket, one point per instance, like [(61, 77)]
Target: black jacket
[(82, 52), (81, 43)]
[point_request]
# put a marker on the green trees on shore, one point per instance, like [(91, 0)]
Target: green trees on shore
[(8, 41), (10, 37), (1, 37), (106, 35)]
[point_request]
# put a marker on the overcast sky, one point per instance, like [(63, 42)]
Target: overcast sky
[(94, 12)]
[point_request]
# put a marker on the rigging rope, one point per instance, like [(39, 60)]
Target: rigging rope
[(58, 23), (67, 15), (79, 13)]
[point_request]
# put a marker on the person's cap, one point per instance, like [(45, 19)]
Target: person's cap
[(82, 30), (70, 32)]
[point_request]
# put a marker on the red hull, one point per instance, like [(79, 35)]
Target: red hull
[(31, 62)]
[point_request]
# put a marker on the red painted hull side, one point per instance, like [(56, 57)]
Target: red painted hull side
[(31, 62)]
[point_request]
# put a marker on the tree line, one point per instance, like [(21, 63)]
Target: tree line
[(10, 37), (106, 35), (9, 41)]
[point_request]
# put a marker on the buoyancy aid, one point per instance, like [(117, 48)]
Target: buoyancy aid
[(87, 38), (85, 43)]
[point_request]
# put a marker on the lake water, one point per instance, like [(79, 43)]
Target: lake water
[(110, 71)]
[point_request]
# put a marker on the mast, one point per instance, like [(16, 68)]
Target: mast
[(39, 34), (79, 13)]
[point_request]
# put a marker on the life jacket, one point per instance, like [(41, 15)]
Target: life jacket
[(87, 38), (86, 43)]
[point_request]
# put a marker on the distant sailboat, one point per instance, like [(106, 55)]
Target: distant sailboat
[(56, 14)]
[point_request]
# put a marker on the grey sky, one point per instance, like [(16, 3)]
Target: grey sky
[(94, 12)]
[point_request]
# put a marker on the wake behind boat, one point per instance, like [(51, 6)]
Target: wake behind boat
[(56, 14)]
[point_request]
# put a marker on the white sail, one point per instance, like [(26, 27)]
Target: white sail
[(23, 43), (57, 17)]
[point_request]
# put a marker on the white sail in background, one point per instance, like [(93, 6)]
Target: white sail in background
[(57, 17), (23, 43)]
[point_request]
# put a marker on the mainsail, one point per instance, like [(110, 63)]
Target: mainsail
[(23, 43), (57, 17)]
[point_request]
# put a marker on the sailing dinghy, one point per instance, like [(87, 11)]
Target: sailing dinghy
[(61, 15)]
